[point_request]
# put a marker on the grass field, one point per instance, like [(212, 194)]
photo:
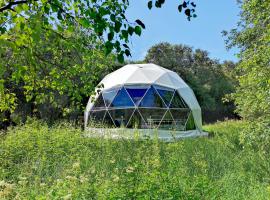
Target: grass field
[(41, 162)]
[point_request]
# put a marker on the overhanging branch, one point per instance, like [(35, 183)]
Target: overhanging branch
[(10, 4)]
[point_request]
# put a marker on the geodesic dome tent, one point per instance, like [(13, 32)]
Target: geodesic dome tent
[(144, 96)]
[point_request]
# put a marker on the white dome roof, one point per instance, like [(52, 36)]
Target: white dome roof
[(143, 74), (134, 74)]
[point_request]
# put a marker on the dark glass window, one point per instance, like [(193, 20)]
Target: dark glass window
[(136, 93), (99, 103), (108, 120), (167, 121), (166, 94), (122, 99), (121, 116), (108, 96), (190, 124), (152, 117), (97, 116), (152, 99), (179, 114), (177, 101), (180, 117), (136, 121), (153, 111)]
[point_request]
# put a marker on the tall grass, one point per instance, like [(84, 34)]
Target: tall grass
[(38, 162)]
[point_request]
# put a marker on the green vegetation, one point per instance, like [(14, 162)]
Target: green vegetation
[(41, 162), (105, 19), (209, 79), (52, 55), (252, 96)]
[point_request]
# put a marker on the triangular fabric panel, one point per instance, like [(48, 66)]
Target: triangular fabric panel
[(122, 99), (108, 96), (137, 77), (99, 103), (136, 94), (165, 80), (177, 101), (152, 99), (153, 74)]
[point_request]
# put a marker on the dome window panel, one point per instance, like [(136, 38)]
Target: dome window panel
[(167, 122), (152, 100), (165, 93), (190, 124), (180, 117), (109, 95), (177, 101), (178, 113), (152, 116), (99, 103), (136, 121), (121, 117), (122, 99), (97, 116), (108, 121), (136, 93)]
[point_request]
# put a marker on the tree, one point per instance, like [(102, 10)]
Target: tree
[(209, 79), (106, 19), (252, 96), (52, 78)]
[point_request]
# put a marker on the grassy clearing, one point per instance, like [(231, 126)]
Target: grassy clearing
[(38, 162)]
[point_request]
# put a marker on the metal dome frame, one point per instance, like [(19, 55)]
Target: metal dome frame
[(149, 78)]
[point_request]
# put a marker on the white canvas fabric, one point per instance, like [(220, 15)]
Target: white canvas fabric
[(151, 74)]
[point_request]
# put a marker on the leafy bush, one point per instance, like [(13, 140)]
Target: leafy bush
[(41, 162), (252, 96)]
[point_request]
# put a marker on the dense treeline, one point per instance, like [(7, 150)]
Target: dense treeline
[(56, 81), (49, 78), (210, 80)]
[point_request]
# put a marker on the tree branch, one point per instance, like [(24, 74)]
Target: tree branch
[(9, 6)]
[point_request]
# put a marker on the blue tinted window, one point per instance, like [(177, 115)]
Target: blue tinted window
[(122, 99), (152, 99), (136, 94), (108, 96)]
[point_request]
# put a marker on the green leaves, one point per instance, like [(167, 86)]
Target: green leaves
[(150, 4), (117, 26), (180, 8), (140, 23), (120, 57), (110, 36), (138, 30)]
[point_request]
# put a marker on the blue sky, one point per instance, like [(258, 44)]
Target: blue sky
[(168, 25)]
